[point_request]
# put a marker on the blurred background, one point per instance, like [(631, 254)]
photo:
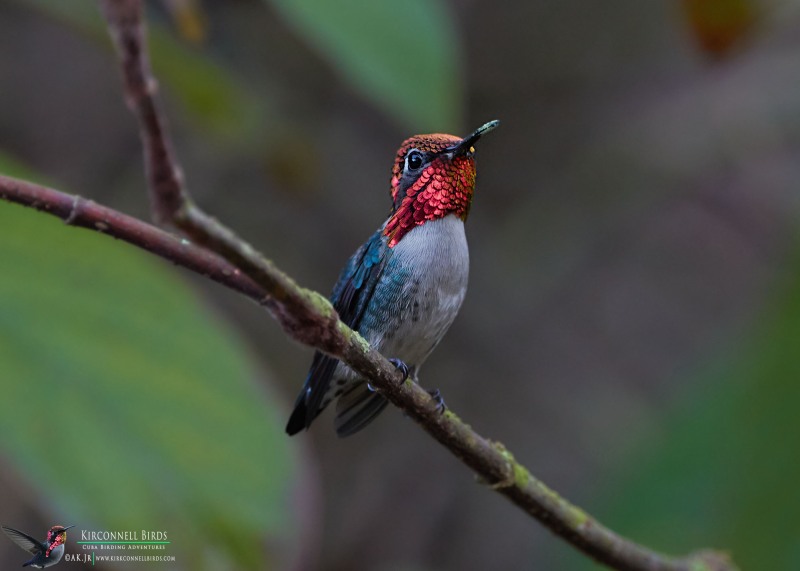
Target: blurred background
[(630, 332)]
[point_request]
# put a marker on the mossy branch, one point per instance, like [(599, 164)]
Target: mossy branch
[(216, 252)]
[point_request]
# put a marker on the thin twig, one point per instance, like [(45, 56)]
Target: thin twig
[(307, 317)]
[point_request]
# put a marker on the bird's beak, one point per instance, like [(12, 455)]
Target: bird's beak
[(465, 145), (70, 527)]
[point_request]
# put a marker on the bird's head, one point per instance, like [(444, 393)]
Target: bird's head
[(58, 534), (433, 176)]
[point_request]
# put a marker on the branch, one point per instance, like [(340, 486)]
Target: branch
[(305, 315), (308, 317), (494, 465)]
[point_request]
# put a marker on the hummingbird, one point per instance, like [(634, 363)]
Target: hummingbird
[(403, 287), (46, 553)]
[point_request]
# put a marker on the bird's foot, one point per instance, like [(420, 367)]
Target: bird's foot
[(402, 367), (436, 395)]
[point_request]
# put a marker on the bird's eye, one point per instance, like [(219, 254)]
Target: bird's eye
[(414, 160)]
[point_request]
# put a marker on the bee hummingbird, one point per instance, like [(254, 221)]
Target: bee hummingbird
[(46, 553), (402, 289)]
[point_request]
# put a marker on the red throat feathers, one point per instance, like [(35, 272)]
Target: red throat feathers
[(444, 187)]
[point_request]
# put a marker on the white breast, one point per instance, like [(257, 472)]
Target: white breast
[(437, 259)]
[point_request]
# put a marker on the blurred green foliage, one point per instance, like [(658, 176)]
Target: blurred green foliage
[(126, 404), (404, 56), (722, 469)]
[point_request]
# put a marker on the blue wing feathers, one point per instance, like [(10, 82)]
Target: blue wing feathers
[(351, 296)]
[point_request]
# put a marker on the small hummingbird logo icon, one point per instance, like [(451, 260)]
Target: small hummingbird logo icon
[(45, 553)]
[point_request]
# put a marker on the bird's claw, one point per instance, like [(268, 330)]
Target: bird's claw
[(436, 395), (402, 367)]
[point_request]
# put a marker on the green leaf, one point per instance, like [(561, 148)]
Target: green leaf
[(405, 56), (127, 405), (723, 471)]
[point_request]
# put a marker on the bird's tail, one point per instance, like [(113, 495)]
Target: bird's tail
[(357, 408)]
